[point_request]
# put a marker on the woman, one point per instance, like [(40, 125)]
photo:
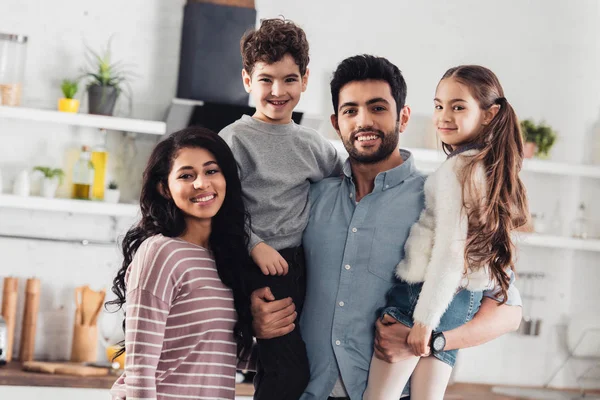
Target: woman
[(187, 311)]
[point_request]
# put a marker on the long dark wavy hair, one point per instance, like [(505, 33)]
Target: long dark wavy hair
[(504, 206), (228, 239)]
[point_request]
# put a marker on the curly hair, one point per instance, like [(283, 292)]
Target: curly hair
[(228, 239), (275, 38), (504, 207)]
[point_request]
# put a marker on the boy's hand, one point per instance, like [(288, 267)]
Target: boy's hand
[(418, 339), (269, 260)]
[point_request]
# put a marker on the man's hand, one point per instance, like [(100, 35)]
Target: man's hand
[(269, 260), (418, 339), (390, 340), (271, 318)]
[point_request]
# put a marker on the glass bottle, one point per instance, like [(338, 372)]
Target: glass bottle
[(12, 67), (83, 175), (99, 160), (579, 228)]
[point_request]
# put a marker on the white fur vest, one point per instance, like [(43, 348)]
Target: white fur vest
[(434, 251)]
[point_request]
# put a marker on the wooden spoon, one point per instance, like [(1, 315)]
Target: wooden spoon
[(78, 301), (101, 295), (91, 299)]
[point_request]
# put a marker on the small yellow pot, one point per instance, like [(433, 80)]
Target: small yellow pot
[(68, 105)]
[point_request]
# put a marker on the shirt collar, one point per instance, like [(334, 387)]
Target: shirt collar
[(392, 177)]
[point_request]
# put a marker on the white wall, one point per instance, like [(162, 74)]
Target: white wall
[(546, 54)]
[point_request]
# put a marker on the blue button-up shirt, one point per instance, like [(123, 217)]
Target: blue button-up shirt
[(352, 250)]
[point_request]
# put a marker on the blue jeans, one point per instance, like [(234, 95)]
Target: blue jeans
[(402, 299)]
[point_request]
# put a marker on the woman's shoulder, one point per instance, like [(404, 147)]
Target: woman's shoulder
[(160, 244), (158, 256)]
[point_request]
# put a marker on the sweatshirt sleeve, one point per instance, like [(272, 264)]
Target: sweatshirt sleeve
[(446, 265), (145, 321), (228, 134), (329, 160)]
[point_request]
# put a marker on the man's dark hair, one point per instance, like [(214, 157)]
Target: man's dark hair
[(363, 67), (275, 38)]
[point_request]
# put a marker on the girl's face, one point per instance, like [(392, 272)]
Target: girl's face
[(457, 116), (196, 183)]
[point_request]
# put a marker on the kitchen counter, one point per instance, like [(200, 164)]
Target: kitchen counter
[(12, 375)]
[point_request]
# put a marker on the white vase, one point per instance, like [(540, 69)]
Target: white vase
[(112, 195), (21, 186), (49, 186)]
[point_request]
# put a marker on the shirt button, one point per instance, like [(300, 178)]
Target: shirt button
[(341, 303), (337, 342), (350, 195), (387, 186), (354, 230), (347, 266)]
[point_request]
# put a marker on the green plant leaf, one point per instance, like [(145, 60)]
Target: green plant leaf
[(541, 134), (69, 88), (101, 71)]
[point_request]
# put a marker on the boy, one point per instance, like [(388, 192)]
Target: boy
[(277, 161)]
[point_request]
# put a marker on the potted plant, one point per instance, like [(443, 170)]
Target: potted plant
[(112, 193), (53, 177), (107, 82), (68, 103), (538, 138)]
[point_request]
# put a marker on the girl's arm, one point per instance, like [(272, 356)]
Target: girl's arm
[(445, 269), (146, 317)]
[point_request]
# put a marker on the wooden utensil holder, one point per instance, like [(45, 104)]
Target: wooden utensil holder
[(85, 343)]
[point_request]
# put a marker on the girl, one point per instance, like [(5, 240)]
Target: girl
[(461, 244), (181, 278)]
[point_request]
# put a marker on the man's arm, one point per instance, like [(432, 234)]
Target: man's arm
[(271, 318), (490, 322)]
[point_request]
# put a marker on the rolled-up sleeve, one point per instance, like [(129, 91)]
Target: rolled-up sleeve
[(514, 297)]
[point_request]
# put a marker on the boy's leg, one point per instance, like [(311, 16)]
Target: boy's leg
[(387, 380), (283, 371), (430, 379)]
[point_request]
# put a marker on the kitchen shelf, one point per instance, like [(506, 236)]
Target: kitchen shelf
[(89, 120), (428, 160), (132, 210), (559, 242), (529, 165), (69, 206)]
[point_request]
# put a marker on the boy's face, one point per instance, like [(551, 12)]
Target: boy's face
[(275, 89)]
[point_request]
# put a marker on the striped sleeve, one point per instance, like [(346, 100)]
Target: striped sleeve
[(145, 321)]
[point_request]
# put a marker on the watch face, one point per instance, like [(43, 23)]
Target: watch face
[(439, 343)]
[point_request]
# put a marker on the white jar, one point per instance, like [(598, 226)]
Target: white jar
[(22, 184)]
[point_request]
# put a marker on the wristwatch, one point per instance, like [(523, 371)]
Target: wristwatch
[(438, 342)]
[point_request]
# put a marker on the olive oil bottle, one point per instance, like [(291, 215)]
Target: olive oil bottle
[(83, 175)]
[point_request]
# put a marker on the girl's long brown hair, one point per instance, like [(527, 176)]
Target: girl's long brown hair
[(503, 206)]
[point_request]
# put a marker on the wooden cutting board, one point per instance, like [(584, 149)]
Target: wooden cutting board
[(63, 368)]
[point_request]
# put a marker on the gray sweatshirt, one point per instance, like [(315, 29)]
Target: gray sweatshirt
[(277, 164)]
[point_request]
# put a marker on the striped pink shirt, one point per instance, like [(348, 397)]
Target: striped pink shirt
[(179, 325)]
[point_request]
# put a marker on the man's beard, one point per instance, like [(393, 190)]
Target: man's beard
[(389, 144)]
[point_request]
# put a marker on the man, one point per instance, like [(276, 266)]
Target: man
[(355, 238)]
